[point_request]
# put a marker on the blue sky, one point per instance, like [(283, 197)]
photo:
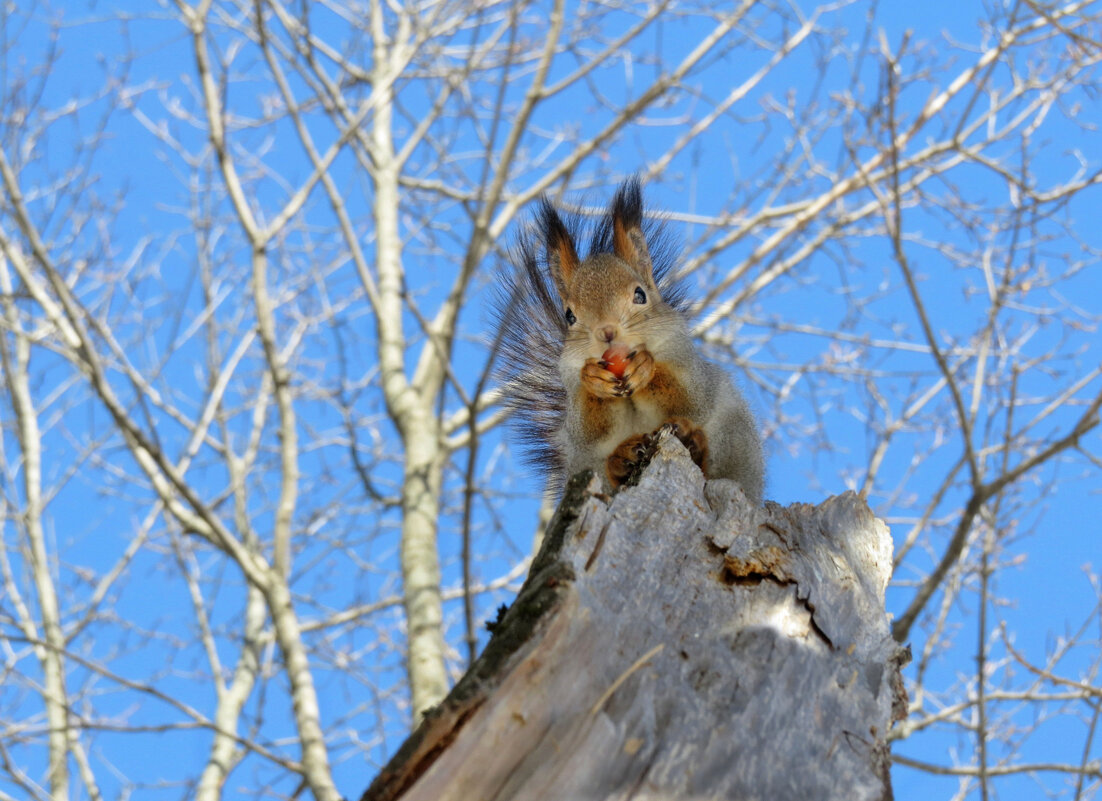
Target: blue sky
[(146, 189)]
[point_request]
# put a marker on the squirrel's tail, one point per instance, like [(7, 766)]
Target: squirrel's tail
[(531, 328)]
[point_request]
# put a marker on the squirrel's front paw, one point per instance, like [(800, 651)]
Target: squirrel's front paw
[(694, 439), (639, 371), (621, 379), (628, 460), (598, 380)]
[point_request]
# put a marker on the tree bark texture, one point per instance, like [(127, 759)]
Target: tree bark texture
[(674, 641)]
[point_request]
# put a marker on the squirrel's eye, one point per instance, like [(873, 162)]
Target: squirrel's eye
[(570, 318), (640, 295)]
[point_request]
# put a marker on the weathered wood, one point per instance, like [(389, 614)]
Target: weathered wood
[(674, 641)]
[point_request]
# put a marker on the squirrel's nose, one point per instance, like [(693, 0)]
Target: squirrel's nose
[(607, 333)]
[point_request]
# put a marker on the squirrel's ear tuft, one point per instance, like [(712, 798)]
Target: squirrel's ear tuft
[(628, 241), (562, 258), (627, 204)]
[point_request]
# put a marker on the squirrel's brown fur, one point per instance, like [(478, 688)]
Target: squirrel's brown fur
[(561, 317)]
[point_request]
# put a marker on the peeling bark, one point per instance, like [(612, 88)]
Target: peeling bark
[(674, 641)]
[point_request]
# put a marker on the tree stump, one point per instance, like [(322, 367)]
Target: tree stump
[(674, 641)]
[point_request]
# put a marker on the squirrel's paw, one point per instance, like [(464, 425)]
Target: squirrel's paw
[(639, 371), (599, 381), (628, 459), (693, 438)]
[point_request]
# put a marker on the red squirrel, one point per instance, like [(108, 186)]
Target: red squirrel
[(598, 357)]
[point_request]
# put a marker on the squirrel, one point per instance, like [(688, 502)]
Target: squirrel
[(597, 358)]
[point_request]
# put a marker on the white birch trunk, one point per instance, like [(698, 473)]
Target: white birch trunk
[(421, 596), (15, 369), (411, 408), (224, 750)]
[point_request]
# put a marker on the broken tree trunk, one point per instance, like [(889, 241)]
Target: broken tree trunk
[(674, 641)]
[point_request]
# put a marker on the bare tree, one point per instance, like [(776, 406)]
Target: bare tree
[(254, 476)]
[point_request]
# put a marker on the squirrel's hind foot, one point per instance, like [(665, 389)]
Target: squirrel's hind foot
[(692, 437), (626, 463)]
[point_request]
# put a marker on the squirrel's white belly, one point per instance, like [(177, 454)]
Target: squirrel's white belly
[(632, 418)]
